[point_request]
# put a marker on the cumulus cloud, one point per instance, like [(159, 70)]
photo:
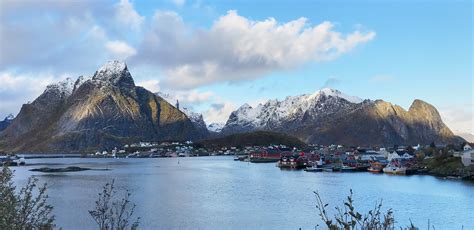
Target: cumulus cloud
[(219, 112), (126, 15), (16, 90), (76, 37), (237, 48), (69, 36), (459, 118), (152, 85), (120, 49)]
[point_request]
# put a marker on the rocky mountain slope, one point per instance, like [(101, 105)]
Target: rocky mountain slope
[(98, 112), (196, 118), (329, 116)]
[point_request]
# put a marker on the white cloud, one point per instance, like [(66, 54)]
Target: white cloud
[(459, 118), (126, 15), (194, 96), (152, 85), (16, 90), (219, 112), (120, 49), (236, 48)]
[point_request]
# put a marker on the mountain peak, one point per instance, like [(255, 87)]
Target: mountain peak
[(424, 110), (116, 73), (114, 66), (337, 93)]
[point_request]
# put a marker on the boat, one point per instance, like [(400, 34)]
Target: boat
[(241, 158), (347, 168), (393, 169), (12, 160), (313, 168), (376, 167)]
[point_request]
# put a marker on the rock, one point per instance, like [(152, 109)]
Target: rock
[(67, 169)]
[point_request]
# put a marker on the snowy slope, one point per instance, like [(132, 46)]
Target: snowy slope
[(292, 111), (215, 127)]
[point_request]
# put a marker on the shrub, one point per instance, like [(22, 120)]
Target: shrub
[(26, 209), (111, 213), (348, 218)]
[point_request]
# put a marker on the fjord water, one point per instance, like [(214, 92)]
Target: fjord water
[(219, 193)]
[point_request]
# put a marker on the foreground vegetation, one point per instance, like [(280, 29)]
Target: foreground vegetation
[(28, 208), (348, 218)]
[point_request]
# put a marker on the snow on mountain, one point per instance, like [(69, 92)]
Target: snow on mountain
[(80, 80), (215, 127), (6, 122), (114, 73), (337, 93), (9, 117), (291, 109), (64, 87)]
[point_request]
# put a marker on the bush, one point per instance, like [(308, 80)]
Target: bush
[(348, 218), (26, 209), (111, 213)]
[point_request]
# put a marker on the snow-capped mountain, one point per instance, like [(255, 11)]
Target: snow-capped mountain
[(196, 118), (215, 127), (6, 122), (101, 112), (329, 116), (293, 109)]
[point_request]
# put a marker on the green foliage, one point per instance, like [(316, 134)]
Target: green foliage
[(111, 213), (348, 218), (26, 209)]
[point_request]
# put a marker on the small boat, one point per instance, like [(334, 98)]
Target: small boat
[(392, 169), (376, 167), (12, 160), (313, 169), (374, 170), (346, 168)]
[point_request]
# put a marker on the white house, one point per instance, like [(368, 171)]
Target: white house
[(468, 157), (393, 155), (467, 147)]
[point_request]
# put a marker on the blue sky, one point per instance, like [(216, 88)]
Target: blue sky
[(405, 50)]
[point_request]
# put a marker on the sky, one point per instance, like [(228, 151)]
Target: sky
[(215, 56)]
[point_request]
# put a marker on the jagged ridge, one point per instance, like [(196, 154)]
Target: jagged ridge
[(331, 117), (103, 111)]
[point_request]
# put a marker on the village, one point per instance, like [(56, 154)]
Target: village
[(457, 161)]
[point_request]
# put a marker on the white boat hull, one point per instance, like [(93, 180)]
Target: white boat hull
[(395, 170)]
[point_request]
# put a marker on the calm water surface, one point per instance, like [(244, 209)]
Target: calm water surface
[(219, 193)]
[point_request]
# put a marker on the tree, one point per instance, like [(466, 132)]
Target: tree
[(26, 209), (111, 213)]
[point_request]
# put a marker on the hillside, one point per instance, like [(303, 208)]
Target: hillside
[(258, 138)]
